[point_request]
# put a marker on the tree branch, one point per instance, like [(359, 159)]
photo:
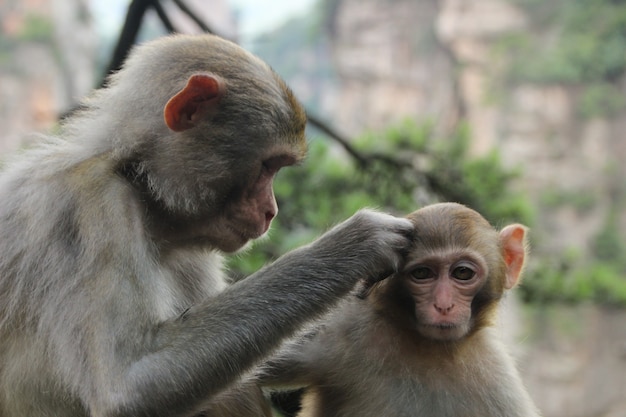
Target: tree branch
[(128, 35), (183, 7), (327, 130), (163, 17)]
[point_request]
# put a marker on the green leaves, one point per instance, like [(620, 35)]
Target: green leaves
[(581, 43), (399, 170), (406, 167)]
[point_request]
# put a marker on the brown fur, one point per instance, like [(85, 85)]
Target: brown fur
[(370, 357)]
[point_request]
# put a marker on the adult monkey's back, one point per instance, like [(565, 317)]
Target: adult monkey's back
[(112, 299)]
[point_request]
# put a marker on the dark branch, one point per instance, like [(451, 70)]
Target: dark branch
[(167, 23), (327, 130), (128, 35), (183, 7)]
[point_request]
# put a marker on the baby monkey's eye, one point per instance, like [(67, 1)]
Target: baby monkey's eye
[(463, 273), (422, 272)]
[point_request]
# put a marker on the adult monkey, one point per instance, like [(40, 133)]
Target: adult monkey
[(112, 298), (420, 343)]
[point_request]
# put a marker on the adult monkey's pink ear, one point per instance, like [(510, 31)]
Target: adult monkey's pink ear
[(513, 238), (199, 98)]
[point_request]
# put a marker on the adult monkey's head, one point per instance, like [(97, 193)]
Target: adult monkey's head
[(205, 126)]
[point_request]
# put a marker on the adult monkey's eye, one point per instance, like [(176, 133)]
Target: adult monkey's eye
[(422, 272), (463, 273)]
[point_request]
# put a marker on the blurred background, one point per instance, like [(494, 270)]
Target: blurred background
[(516, 108)]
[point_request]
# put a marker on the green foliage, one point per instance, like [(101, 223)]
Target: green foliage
[(609, 245), (601, 99), (582, 201), (483, 184), (6, 50), (579, 42), (571, 282), (571, 279), (37, 28), (407, 159), (568, 277), (588, 46)]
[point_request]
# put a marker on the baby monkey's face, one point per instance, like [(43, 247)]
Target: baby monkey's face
[(458, 268)]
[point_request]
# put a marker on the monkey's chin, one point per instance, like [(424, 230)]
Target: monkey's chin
[(444, 332), (238, 240), (234, 243)]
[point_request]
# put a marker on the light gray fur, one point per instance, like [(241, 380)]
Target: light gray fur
[(100, 316)]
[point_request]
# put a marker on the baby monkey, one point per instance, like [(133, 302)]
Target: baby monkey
[(420, 343)]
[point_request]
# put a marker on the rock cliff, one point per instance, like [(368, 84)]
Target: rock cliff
[(434, 60)]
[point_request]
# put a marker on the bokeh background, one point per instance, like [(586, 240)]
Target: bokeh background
[(516, 108)]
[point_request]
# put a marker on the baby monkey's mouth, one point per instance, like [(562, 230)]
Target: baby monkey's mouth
[(444, 331)]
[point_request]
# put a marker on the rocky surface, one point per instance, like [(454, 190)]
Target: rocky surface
[(433, 60), (572, 358)]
